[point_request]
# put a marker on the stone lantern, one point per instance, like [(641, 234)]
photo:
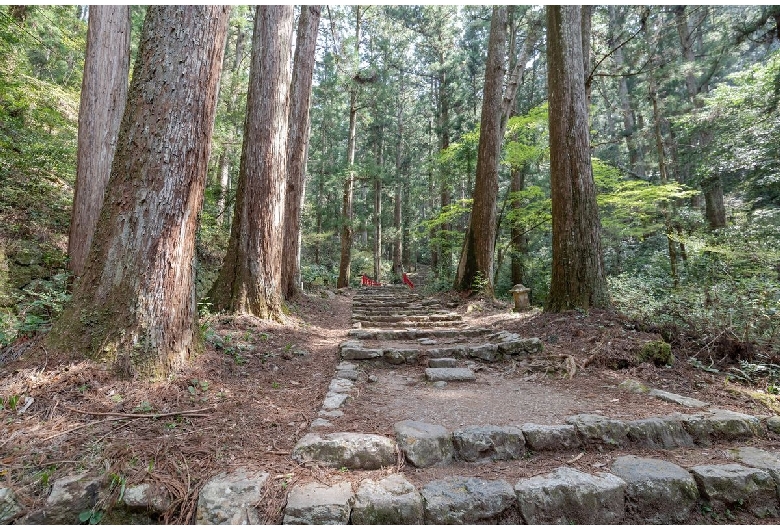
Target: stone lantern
[(520, 295)]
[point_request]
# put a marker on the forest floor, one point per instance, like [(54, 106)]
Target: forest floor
[(251, 395)]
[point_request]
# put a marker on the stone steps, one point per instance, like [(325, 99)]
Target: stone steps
[(414, 333)]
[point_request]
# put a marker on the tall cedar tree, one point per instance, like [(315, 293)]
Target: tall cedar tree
[(476, 260), (297, 148), (103, 97), (134, 307), (578, 279), (250, 280)]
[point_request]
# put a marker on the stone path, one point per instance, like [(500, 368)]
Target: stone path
[(632, 489)]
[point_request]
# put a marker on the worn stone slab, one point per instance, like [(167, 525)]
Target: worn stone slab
[(657, 492), (595, 429), (346, 449), (390, 500), (467, 500), (659, 433), (486, 352), (733, 486), (315, 503), (518, 346), (634, 386), (678, 399), (773, 424), (488, 442), (424, 444), (230, 498), (69, 497), (720, 425), (442, 362), (448, 351), (9, 507), (334, 400), (351, 375), (339, 385), (330, 413), (427, 342), (360, 354), (759, 459), (147, 498), (345, 365), (320, 423), (400, 355), (550, 437), (568, 496), (449, 374)]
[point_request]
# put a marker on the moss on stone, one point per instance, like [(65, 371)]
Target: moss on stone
[(658, 352)]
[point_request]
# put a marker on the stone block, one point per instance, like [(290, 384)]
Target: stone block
[(759, 459), (720, 425), (9, 507), (69, 497), (568, 496), (442, 362), (733, 487), (466, 500), (633, 386), (658, 433), (657, 492), (423, 444), (596, 430), (678, 399), (147, 498), (334, 400), (449, 374), (351, 375), (360, 354), (346, 449), (518, 346), (390, 500), (231, 498), (550, 437), (483, 443), (339, 385), (315, 503), (449, 351), (773, 424), (486, 352)]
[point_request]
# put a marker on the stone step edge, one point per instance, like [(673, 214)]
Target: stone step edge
[(435, 445), (412, 333), (636, 490), (511, 345)]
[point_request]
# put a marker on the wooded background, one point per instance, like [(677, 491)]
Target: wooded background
[(604, 156)]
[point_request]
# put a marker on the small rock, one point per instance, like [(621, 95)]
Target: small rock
[(345, 449), (390, 500), (320, 423), (351, 375), (631, 385), (732, 486), (568, 496), (315, 503), (9, 508), (146, 497), (340, 385), (439, 384), (449, 374), (231, 498), (372, 379), (773, 424), (334, 400), (330, 413), (658, 492), (550, 437), (488, 442), (68, 498), (423, 444), (461, 500)]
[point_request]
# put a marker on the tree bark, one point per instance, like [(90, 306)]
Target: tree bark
[(298, 142), (476, 261), (578, 279), (398, 245), (134, 307), (250, 278), (345, 260), (519, 238), (103, 97)]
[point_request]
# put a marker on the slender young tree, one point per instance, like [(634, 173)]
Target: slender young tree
[(578, 279), (297, 147), (103, 96), (250, 280), (134, 306), (476, 259)]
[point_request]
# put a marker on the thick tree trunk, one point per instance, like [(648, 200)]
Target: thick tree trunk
[(398, 241), (345, 260), (578, 279), (519, 238), (378, 206), (476, 261), (297, 148), (103, 97), (250, 278), (134, 307)]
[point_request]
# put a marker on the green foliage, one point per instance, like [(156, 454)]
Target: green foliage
[(527, 138)]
